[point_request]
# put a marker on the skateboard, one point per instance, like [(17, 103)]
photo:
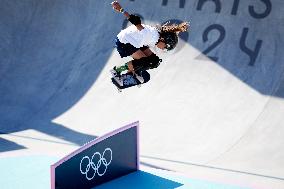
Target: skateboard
[(130, 80)]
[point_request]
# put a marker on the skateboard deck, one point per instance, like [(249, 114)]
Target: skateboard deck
[(130, 80)]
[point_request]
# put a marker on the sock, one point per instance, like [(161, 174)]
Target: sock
[(122, 68)]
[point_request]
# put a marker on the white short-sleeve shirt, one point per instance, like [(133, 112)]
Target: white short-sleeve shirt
[(149, 36)]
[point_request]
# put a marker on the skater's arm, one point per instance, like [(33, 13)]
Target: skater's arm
[(132, 18)]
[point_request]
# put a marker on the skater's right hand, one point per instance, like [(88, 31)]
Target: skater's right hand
[(116, 6)]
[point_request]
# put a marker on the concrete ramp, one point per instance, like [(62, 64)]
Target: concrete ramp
[(214, 105)]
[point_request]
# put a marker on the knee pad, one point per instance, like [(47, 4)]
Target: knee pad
[(145, 63), (153, 61)]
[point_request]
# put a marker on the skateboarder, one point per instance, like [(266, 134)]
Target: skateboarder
[(135, 40)]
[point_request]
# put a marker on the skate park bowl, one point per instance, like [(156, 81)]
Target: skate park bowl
[(213, 110)]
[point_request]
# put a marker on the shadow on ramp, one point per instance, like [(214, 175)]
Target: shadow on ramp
[(6, 145), (140, 180), (51, 54)]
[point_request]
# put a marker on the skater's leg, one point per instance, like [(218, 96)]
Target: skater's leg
[(128, 66), (147, 52), (149, 58), (137, 55)]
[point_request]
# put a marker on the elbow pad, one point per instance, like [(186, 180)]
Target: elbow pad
[(134, 19)]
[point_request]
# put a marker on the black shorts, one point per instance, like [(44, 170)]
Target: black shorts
[(127, 49)]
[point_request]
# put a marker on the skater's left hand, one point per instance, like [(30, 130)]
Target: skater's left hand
[(116, 6)]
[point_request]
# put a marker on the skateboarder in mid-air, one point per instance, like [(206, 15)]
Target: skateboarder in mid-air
[(135, 41)]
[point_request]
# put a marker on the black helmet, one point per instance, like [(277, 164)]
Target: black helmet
[(170, 39)]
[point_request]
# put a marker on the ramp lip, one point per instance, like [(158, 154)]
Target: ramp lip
[(95, 141), (91, 143)]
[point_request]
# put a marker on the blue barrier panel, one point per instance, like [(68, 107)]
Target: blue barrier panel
[(101, 160)]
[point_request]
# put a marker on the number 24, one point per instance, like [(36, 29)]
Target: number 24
[(253, 54)]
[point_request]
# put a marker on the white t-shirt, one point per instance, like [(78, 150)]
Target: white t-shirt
[(149, 36)]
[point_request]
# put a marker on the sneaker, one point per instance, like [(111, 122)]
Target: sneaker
[(114, 73), (140, 78)]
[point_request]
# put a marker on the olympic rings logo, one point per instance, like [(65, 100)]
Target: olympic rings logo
[(95, 164)]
